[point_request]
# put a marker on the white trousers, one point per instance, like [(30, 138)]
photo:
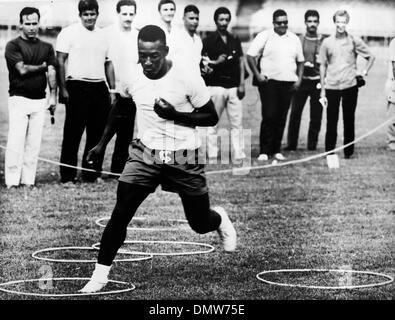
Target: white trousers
[(390, 91), (227, 100), (26, 121)]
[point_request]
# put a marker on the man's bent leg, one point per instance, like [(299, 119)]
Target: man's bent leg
[(129, 198), (203, 219)]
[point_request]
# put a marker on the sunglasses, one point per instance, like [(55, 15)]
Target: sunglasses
[(285, 23)]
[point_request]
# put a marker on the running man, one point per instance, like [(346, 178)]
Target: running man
[(31, 64), (170, 102)]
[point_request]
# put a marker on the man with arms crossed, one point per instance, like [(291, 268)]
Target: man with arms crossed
[(225, 82), (170, 102), (31, 64)]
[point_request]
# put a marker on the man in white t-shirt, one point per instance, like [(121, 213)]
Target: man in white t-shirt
[(167, 10), (170, 102), (122, 38), (390, 88), (83, 89), (185, 44), (280, 74)]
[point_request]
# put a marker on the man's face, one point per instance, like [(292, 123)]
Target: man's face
[(281, 25), (167, 12), (89, 18), (312, 24), (223, 21), (30, 25), (191, 21), (152, 56), (126, 16), (341, 23)]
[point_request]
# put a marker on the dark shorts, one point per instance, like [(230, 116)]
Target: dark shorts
[(176, 171)]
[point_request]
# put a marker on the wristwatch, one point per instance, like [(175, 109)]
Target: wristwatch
[(112, 90)]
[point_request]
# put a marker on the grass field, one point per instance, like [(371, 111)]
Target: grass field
[(300, 216)]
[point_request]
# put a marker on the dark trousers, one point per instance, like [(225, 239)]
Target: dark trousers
[(275, 99), (124, 132), (307, 89), (87, 108), (348, 98), (129, 197)]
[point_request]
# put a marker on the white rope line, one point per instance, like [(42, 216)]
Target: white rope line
[(233, 170), (320, 155)]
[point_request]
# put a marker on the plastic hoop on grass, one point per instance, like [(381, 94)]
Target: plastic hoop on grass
[(145, 256), (99, 222), (130, 287), (371, 285), (183, 253)]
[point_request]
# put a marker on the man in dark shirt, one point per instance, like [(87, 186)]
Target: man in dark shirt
[(30, 62), (223, 53), (309, 87)]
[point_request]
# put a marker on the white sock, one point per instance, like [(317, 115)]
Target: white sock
[(100, 274), (98, 280)]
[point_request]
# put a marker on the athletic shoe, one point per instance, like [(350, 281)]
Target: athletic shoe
[(263, 157), (279, 156), (226, 230)]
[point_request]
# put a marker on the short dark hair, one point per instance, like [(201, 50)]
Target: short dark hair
[(163, 2), (278, 13), (27, 11), (85, 5), (221, 10), (311, 13), (152, 33), (122, 3), (191, 8)]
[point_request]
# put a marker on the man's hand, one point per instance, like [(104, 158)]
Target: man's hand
[(63, 96), (113, 98), (95, 154), (241, 91), (164, 109), (44, 66), (323, 100), (221, 59), (296, 85), (261, 79)]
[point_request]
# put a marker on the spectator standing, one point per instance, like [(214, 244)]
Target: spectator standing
[(31, 64), (310, 86), (225, 82), (390, 88), (338, 69), (281, 70), (83, 88), (122, 37), (184, 43)]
